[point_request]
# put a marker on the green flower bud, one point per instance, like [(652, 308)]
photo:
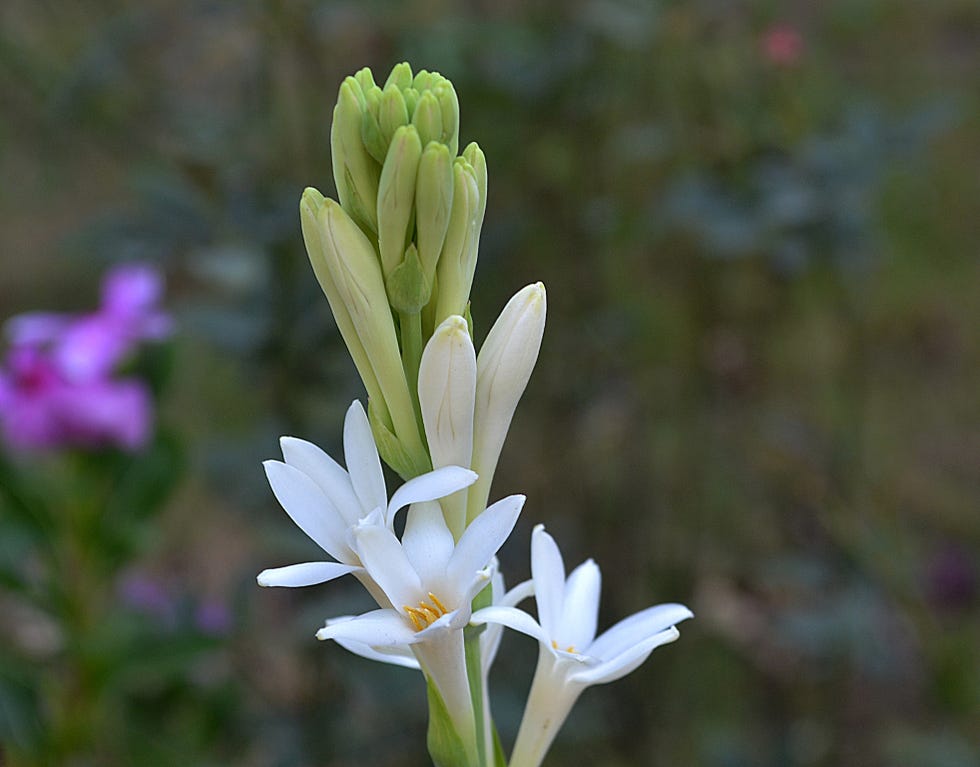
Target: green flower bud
[(396, 196), (392, 113), (478, 161), (428, 119), (400, 77), (425, 80), (449, 109), (355, 172), (411, 100), (454, 270), (365, 79), (371, 136), (310, 205), (354, 271), (433, 204)]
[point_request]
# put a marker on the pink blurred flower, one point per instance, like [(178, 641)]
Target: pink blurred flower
[(782, 44), (93, 344), (41, 409), (57, 387)]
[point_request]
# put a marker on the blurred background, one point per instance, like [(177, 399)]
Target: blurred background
[(757, 394)]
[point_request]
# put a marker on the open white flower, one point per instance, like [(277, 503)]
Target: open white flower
[(571, 657), (402, 655), (430, 580), (326, 502)]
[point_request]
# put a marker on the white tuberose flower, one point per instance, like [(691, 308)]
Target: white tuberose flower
[(571, 657), (430, 580), (326, 502)]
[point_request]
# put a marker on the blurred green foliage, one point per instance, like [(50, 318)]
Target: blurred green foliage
[(761, 364)]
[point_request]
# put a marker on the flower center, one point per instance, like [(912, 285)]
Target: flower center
[(426, 612), (554, 644)]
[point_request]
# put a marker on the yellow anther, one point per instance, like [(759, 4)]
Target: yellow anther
[(425, 614), (570, 648), (417, 617), (435, 600)]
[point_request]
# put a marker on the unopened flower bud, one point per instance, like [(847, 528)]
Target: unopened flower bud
[(401, 76), (449, 110), (354, 270), (504, 367), (427, 118), (433, 204), (396, 196), (354, 170), (457, 261), (310, 205), (392, 112), (447, 391)]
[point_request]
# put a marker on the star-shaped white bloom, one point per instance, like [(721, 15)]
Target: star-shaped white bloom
[(401, 655), (430, 581), (571, 657), (327, 503)]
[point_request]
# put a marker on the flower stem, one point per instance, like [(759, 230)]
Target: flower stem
[(411, 338)]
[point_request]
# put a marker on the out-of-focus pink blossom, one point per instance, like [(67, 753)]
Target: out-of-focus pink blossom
[(41, 409), (782, 44), (57, 387), (93, 344)]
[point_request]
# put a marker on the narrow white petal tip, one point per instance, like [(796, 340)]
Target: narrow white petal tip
[(322, 634), (538, 528), (261, 579)]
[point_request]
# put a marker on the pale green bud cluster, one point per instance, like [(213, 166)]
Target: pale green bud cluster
[(398, 253)]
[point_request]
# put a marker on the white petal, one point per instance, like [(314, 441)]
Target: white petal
[(580, 610), (548, 572), (326, 472), (518, 594), (512, 618), (484, 537), (378, 628), (621, 665), (385, 561), (305, 574), (427, 542), (430, 487), (309, 508), (637, 628), (363, 463), (397, 655)]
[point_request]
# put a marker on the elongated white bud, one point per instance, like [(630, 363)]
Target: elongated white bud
[(503, 368), (447, 392)]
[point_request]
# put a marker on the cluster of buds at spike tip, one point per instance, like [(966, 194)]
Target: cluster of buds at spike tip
[(397, 254)]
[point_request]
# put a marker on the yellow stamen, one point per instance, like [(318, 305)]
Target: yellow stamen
[(426, 613), (570, 648)]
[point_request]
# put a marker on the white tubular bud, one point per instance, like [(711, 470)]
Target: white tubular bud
[(503, 368), (447, 393)]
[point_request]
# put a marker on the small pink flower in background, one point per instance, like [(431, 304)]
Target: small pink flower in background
[(782, 44), (57, 386)]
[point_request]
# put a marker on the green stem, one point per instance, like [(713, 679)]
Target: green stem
[(411, 338), (474, 674)]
